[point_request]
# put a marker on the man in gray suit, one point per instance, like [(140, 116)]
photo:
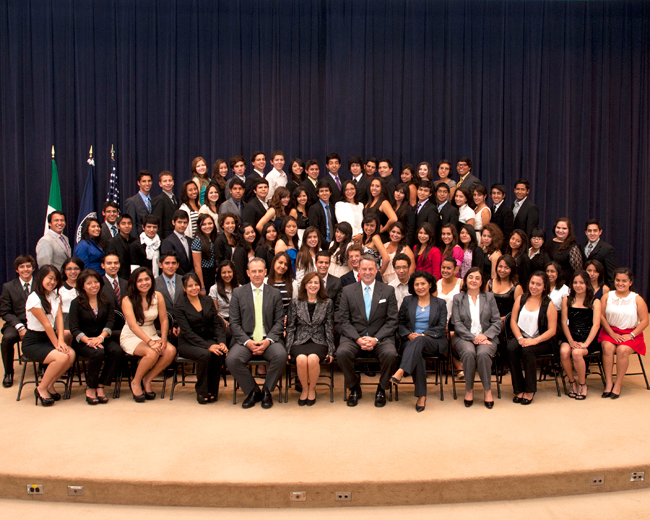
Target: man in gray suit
[(235, 203), (467, 180), (257, 324), (54, 247), (367, 321), (170, 284)]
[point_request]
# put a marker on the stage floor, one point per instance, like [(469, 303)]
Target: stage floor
[(181, 453)]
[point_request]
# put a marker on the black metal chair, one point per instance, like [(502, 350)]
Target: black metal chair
[(362, 364), (642, 373), (127, 368), (25, 361), (592, 358), (257, 361), (291, 376)]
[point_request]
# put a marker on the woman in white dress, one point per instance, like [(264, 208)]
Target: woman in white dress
[(466, 214), (349, 210), (481, 210), (339, 248)]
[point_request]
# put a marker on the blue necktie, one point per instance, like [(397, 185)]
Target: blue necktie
[(327, 223), (367, 299), (148, 204)]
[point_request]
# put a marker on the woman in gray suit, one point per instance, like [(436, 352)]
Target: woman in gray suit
[(310, 334), (477, 323)]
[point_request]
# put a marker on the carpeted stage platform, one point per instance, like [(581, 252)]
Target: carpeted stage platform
[(183, 454)]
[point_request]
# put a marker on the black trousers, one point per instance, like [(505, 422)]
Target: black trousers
[(111, 356), (413, 363), (528, 356), (208, 367), (349, 351), (10, 337)]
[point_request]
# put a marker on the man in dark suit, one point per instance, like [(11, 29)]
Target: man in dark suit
[(332, 177), (597, 249), (524, 210), (367, 321), (423, 211), (502, 214), (259, 163), (165, 204), (386, 175), (361, 182), (321, 215), (238, 167), (467, 180), (235, 203), (12, 311), (310, 183), (257, 326), (140, 204), (140, 250), (114, 286), (448, 213), (119, 245), (333, 283), (354, 254), (110, 211), (257, 207), (178, 243)]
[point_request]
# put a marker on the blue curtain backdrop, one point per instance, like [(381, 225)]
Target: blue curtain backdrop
[(556, 92)]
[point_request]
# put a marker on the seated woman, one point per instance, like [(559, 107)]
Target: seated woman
[(504, 286), (477, 325), (92, 316), (518, 248), (596, 273), (202, 338), (427, 255), (473, 255), (306, 257), (558, 289), (449, 286), (244, 251), (203, 256), (42, 342), (536, 253), (310, 334), (221, 292), (491, 242), (624, 317), (533, 325), (422, 323), (396, 245), (339, 248), (88, 248), (580, 324), (141, 306)]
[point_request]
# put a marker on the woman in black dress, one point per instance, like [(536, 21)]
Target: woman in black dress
[(379, 204), (564, 250), (202, 338), (225, 243), (266, 246), (244, 251), (92, 316), (310, 334), (504, 285), (518, 249), (580, 324)]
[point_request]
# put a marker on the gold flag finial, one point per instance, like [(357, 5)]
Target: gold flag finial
[(52, 151), (90, 153), (112, 152)]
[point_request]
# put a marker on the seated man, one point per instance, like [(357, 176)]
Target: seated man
[(367, 321), (144, 251), (12, 311), (114, 289), (169, 283), (257, 325), (401, 264)]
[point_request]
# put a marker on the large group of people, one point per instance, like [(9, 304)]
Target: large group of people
[(308, 268)]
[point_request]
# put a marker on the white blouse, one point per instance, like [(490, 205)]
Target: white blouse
[(528, 322), (466, 213), (621, 312), (557, 294), (67, 295), (449, 297), (34, 302), (475, 313), (215, 216), (353, 215)]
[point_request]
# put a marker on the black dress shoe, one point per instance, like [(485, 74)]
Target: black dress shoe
[(149, 396), (615, 396), (516, 399), (302, 402), (254, 397), (606, 395), (267, 399), (311, 402), (8, 381), (489, 404), (355, 395), (421, 408), (55, 395), (468, 403), (380, 398)]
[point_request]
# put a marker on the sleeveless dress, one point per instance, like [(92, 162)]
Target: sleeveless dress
[(622, 316), (478, 224), (390, 274), (580, 322), (505, 301), (128, 340)]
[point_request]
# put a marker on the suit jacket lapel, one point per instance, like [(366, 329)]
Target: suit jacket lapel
[(376, 296), (413, 307), (269, 314)]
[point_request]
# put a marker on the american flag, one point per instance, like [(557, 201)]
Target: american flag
[(113, 187)]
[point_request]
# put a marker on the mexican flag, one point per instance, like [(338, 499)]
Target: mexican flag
[(54, 204)]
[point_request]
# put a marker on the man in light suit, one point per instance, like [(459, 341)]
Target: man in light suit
[(110, 211), (367, 321), (165, 204), (597, 249), (257, 325), (179, 243), (54, 247), (467, 180), (524, 210), (235, 203), (140, 204), (12, 311)]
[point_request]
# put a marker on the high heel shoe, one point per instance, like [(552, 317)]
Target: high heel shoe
[(201, 399), (45, 401), (468, 403), (92, 400), (138, 398), (55, 395), (102, 398), (525, 401), (395, 381), (421, 408), (149, 396), (489, 404)]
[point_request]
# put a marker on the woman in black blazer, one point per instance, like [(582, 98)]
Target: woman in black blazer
[(202, 338), (422, 327), (91, 318), (310, 334)]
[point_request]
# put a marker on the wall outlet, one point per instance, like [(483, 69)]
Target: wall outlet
[(298, 496), (637, 476), (597, 481), (343, 495), (34, 489), (75, 491)]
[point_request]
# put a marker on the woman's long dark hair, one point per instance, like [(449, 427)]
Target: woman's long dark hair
[(206, 201), (571, 236), (287, 278), (84, 229), (303, 258), (276, 202), (241, 241), (370, 217), (185, 197), (294, 177), (524, 243), (401, 212), (82, 296), (338, 251), (383, 195), (207, 241), (472, 235), (283, 233), (263, 242), (402, 243), (221, 285), (513, 278), (217, 178), (294, 199), (447, 249), (40, 290), (423, 251), (589, 296), (134, 295)]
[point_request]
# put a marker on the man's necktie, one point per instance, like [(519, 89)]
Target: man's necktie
[(113, 230), (338, 181), (328, 223), (65, 244), (589, 249), (116, 288), (367, 299), (258, 331), (170, 288), (147, 201), (26, 287), (359, 277)]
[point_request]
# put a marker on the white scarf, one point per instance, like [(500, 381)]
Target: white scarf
[(153, 251)]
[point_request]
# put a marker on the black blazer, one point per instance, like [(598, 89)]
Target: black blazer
[(437, 317), (348, 278), (240, 260), (311, 190), (606, 255), (319, 328), (336, 193), (136, 207), (138, 254), (242, 314), (120, 247), (222, 249), (110, 292), (12, 303), (351, 314), (428, 213), (449, 215), (201, 328), (249, 185), (316, 216), (164, 208), (173, 243), (391, 183), (527, 218), (333, 288), (363, 189), (504, 218), (253, 211), (83, 320), (105, 236)]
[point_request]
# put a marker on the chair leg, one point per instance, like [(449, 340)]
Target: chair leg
[(22, 379), (331, 382), (643, 371), (287, 376)]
